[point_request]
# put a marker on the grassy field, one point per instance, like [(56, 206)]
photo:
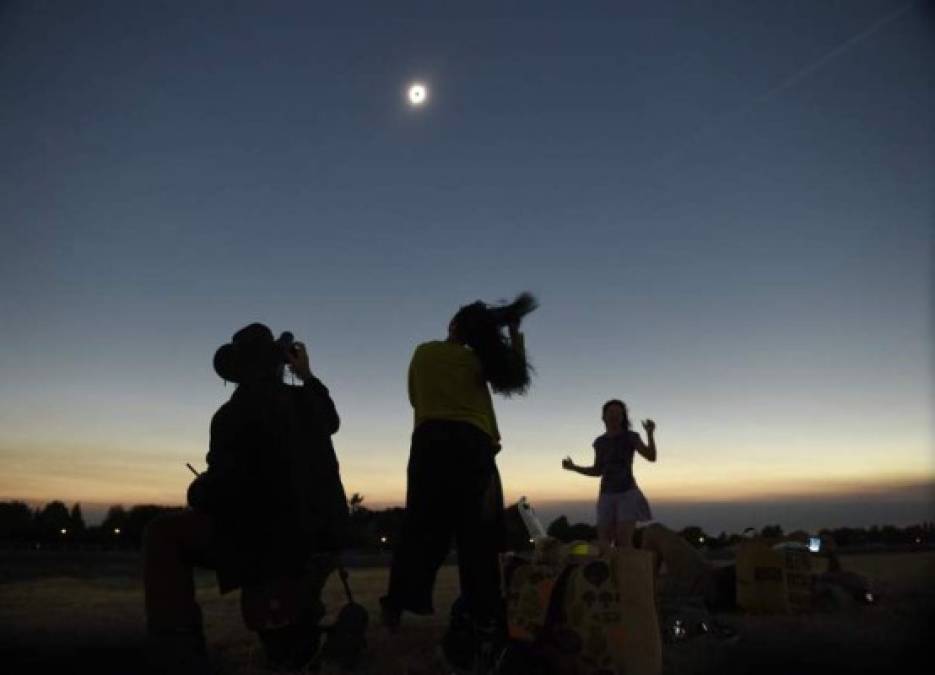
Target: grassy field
[(87, 609)]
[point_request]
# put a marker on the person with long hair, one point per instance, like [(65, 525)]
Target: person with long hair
[(621, 503), (453, 486)]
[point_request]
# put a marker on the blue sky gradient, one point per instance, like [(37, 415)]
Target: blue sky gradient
[(726, 212)]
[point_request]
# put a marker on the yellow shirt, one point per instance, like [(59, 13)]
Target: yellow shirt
[(446, 381)]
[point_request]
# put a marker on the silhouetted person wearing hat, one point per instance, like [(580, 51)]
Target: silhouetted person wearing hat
[(269, 503)]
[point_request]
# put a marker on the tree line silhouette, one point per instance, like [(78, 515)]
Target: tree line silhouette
[(56, 526)]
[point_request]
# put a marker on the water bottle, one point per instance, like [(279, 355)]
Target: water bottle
[(533, 526)]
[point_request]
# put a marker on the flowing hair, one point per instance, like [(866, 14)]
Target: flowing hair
[(480, 326)]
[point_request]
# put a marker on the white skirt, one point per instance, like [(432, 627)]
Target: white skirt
[(616, 507)]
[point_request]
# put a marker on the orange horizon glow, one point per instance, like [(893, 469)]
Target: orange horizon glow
[(720, 492), (39, 470)]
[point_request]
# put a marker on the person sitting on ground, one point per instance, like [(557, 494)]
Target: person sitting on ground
[(269, 504)]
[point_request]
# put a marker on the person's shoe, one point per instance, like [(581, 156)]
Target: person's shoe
[(458, 646)]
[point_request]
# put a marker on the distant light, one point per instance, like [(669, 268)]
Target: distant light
[(382, 540), (678, 629), (418, 94), (868, 596), (64, 531), (532, 541), (918, 540), (116, 530), (700, 540)]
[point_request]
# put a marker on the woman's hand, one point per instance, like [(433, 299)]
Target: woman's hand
[(649, 425), (513, 330), (567, 464)]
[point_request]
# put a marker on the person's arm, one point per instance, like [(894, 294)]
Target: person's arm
[(597, 469), (586, 470), (319, 398), (517, 339), (497, 445), (648, 451), (219, 489), (315, 393)]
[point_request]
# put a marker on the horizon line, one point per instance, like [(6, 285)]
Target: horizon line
[(834, 490)]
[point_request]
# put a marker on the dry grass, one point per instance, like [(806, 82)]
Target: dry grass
[(407, 651), (70, 614), (74, 616)]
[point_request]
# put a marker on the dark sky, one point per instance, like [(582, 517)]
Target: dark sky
[(726, 210)]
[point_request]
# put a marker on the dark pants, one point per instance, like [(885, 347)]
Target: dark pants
[(453, 491), (174, 545)]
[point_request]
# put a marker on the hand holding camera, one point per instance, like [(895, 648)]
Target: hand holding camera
[(297, 358)]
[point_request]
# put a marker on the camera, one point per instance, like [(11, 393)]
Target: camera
[(288, 345)]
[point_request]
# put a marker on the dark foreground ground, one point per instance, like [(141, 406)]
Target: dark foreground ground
[(82, 612)]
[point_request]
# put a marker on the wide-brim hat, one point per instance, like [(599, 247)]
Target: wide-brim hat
[(252, 354)]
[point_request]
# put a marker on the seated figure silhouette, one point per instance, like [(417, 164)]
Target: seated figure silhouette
[(267, 515)]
